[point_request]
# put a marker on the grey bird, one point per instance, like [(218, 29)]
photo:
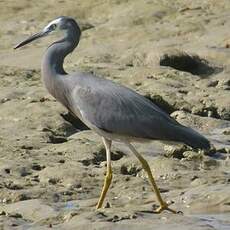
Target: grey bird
[(113, 111)]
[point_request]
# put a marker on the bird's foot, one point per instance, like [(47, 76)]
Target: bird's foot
[(165, 206)]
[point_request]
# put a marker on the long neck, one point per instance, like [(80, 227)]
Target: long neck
[(52, 64)]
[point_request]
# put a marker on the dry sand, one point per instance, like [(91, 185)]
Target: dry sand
[(51, 173)]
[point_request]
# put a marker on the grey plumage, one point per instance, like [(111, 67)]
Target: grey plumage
[(109, 106), (107, 102), (111, 110)]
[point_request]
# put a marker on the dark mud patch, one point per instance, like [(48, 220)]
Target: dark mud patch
[(130, 169), (189, 63), (100, 156), (161, 103), (209, 111), (56, 139), (75, 122), (60, 133)]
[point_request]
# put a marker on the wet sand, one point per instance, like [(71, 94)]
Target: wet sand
[(51, 173)]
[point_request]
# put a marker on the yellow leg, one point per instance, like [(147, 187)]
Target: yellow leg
[(109, 175), (145, 165)]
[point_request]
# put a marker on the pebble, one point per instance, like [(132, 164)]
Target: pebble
[(5, 99), (191, 155), (212, 83), (175, 151), (198, 181)]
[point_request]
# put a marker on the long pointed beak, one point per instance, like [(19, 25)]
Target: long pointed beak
[(32, 38)]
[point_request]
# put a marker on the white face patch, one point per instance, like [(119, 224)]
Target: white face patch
[(56, 22)]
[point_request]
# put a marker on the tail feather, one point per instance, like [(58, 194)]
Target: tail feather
[(192, 138)]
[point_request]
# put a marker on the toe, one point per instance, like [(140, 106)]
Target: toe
[(165, 207)]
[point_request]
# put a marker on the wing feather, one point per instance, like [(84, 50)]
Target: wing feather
[(117, 109)]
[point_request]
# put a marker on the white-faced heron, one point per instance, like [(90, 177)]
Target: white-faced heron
[(113, 111)]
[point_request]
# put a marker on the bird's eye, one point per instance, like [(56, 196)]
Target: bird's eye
[(53, 26)]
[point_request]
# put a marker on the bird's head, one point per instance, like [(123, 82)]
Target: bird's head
[(63, 23)]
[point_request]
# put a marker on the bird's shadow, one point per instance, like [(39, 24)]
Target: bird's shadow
[(75, 122)]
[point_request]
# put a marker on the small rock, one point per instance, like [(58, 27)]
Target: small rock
[(43, 99), (53, 180), (115, 218), (198, 181), (212, 83), (5, 99), (194, 177), (226, 132), (224, 82), (130, 169), (175, 151), (191, 155)]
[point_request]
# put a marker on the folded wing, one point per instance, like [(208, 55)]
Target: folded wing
[(117, 109)]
